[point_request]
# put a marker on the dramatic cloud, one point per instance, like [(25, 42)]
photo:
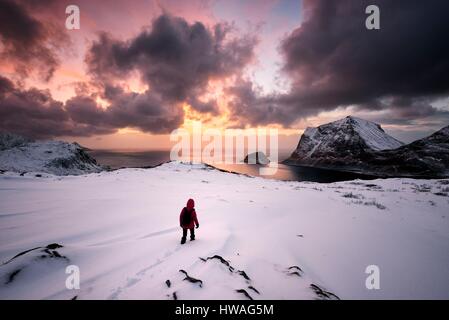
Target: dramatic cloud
[(145, 111), (30, 44), (251, 108), (334, 61), (174, 58), (34, 113), (399, 74)]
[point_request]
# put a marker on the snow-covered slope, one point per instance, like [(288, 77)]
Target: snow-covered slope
[(10, 140), (342, 142), (56, 157), (371, 133), (283, 239), (350, 130)]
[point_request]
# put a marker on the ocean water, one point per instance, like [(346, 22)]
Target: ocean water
[(116, 159)]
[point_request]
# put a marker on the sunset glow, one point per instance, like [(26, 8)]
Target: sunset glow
[(247, 67)]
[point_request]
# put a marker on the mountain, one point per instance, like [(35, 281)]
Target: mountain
[(356, 145), (427, 157), (10, 140), (345, 142), (20, 154)]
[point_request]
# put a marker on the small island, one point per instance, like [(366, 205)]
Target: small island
[(256, 158)]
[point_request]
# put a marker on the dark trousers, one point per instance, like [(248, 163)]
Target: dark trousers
[(192, 233)]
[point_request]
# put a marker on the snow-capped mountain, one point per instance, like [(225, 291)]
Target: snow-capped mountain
[(345, 142), (10, 140), (427, 157), (20, 154), (357, 145)]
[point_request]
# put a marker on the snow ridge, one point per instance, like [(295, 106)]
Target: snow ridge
[(19, 154), (372, 133)]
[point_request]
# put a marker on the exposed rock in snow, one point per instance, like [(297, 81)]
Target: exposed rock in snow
[(256, 158), (357, 145), (9, 140), (55, 157)]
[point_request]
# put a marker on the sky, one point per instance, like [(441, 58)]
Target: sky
[(137, 70)]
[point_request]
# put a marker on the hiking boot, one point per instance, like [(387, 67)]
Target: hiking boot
[(183, 240), (192, 238)]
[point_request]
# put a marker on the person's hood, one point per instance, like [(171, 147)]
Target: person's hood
[(190, 204)]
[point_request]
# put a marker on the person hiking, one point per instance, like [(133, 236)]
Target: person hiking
[(188, 220)]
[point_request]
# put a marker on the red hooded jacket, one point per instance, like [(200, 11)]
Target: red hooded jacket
[(194, 220)]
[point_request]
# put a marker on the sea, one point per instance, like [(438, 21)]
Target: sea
[(117, 159)]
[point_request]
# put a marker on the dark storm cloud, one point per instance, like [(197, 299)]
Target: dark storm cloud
[(176, 59), (34, 113), (146, 111), (143, 111), (409, 111), (333, 60), (251, 108), (28, 43), (408, 108)]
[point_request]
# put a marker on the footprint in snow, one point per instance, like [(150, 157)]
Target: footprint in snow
[(294, 271)]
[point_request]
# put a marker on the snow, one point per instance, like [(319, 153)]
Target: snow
[(56, 157), (327, 136), (371, 133), (121, 229), (10, 140), (315, 142), (345, 144)]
